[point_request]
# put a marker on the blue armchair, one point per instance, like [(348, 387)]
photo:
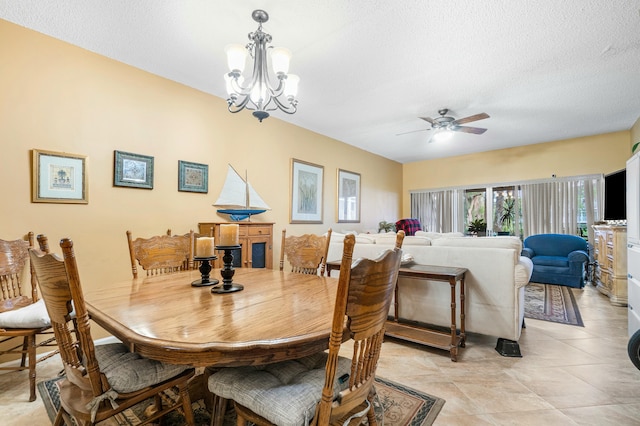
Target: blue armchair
[(557, 259)]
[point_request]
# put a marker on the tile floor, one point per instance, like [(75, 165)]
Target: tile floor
[(568, 375)]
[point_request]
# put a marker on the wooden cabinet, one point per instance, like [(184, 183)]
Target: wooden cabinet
[(610, 255), (256, 241), (633, 242)]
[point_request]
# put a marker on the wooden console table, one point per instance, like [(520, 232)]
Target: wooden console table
[(421, 334)]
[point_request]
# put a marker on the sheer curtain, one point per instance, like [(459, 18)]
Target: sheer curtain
[(550, 206), (553, 207), (438, 211)]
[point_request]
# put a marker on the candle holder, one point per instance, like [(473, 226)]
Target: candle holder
[(205, 268), (227, 272)]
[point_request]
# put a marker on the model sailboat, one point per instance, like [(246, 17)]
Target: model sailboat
[(238, 198)]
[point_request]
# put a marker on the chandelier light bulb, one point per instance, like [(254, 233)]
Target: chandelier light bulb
[(280, 58), (291, 86), (236, 57)]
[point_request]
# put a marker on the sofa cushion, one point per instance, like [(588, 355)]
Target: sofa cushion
[(436, 235), (489, 242), (389, 239), (557, 261), (364, 239)]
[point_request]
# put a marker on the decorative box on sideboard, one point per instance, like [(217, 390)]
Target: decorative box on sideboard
[(611, 262), (256, 241)]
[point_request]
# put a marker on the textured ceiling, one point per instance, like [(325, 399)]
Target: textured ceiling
[(543, 70)]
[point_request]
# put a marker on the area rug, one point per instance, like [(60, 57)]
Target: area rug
[(555, 303), (402, 406)]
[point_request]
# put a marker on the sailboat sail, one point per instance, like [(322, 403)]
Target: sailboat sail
[(238, 198)]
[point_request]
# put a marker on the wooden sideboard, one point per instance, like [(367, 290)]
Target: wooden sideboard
[(256, 239), (610, 255)]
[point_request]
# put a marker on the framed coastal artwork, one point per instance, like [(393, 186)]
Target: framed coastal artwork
[(193, 177), (132, 170), (59, 177), (307, 180), (348, 202)]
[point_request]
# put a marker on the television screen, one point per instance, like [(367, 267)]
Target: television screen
[(615, 195)]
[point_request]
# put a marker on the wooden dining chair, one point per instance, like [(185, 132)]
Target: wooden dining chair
[(305, 253), (100, 380), (161, 254), (23, 317), (324, 387)]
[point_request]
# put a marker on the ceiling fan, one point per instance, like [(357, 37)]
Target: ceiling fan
[(447, 123)]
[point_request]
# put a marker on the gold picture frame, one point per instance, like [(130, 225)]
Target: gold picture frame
[(59, 177)]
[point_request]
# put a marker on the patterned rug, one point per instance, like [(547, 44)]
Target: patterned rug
[(554, 303), (402, 406)]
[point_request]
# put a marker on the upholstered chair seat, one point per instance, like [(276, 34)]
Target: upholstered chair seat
[(285, 393), (129, 372)]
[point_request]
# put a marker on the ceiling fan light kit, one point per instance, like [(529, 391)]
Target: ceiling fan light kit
[(258, 93), (445, 125)]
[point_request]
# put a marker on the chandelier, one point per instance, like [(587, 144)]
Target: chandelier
[(259, 94)]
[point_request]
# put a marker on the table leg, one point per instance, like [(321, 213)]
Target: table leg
[(454, 347), (395, 302), (463, 335)]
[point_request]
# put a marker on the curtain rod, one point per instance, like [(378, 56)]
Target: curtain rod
[(512, 183)]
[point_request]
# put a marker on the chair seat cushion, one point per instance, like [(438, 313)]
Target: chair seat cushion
[(559, 261), (128, 371), (285, 393), (31, 316)]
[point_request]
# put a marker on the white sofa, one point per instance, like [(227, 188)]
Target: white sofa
[(494, 283)]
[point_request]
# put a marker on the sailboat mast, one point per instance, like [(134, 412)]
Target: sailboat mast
[(246, 189)]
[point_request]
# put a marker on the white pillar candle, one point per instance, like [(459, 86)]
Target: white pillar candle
[(205, 247), (229, 235)]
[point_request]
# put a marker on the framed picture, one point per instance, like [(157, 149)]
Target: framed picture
[(348, 203), (132, 170), (306, 192), (59, 177), (193, 177)]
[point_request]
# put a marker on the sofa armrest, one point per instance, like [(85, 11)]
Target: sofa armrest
[(527, 252), (577, 260), (523, 271), (578, 256)]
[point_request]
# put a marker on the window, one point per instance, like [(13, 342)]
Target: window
[(564, 205), (475, 217), (506, 211)]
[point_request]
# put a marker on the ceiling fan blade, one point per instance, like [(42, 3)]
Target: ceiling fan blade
[(412, 131), (471, 118), (467, 129), (430, 120)]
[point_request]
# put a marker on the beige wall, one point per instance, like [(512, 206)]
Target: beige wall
[(58, 97), (571, 157)]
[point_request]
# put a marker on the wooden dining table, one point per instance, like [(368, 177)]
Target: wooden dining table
[(277, 316)]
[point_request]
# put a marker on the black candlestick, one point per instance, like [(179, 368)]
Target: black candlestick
[(205, 268), (227, 272)]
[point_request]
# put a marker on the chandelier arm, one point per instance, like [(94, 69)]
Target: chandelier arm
[(289, 109), (238, 107)]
